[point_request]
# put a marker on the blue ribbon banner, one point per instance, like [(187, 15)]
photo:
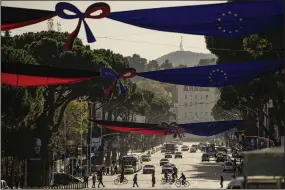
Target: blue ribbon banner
[(108, 73), (103, 8)]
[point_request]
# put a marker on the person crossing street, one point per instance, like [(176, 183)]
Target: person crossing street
[(135, 180)]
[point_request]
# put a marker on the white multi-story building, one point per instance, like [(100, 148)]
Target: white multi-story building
[(194, 104)]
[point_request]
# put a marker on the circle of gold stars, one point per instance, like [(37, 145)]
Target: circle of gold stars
[(219, 72), (222, 18)]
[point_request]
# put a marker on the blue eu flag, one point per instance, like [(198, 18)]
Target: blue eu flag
[(210, 128), (215, 75), (231, 19)]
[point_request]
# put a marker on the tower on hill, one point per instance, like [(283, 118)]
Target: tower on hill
[(181, 44)]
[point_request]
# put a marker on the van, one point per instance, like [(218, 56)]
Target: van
[(256, 182)]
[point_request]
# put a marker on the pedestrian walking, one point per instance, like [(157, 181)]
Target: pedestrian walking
[(86, 180), (221, 181), (17, 181), (22, 181), (112, 170), (153, 179), (108, 170), (94, 180), (116, 169), (100, 179), (135, 180)]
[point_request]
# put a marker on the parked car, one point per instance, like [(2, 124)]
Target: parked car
[(148, 169), (228, 166), (163, 161), (178, 155), (145, 158), (180, 143), (205, 157), (128, 169), (64, 179), (193, 150), (167, 155)]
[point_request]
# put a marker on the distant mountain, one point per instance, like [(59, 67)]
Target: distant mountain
[(187, 58)]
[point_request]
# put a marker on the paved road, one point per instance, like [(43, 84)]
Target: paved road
[(200, 175)]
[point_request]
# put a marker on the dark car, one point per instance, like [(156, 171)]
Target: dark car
[(168, 156), (64, 179), (178, 155), (220, 159), (148, 169)]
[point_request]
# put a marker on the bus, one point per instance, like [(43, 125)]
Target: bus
[(133, 160), (170, 147)]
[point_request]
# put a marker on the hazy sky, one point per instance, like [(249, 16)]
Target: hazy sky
[(125, 39)]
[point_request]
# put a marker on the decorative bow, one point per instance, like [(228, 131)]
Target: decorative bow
[(62, 6), (173, 128), (109, 73)]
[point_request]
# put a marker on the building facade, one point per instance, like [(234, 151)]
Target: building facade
[(194, 104)]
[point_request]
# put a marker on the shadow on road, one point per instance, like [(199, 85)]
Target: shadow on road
[(208, 171)]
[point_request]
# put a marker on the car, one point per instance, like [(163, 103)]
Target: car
[(148, 169), (128, 169), (168, 156), (178, 155), (235, 155), (180, 143), (64, 179), (168, 168), (163, 161), (145, 158), (222, 149), (220, 159), (228, 166), (163, 150), (176, 149), (184, 148), (205, 157), (195, 146), (203, 149), (193, 150)]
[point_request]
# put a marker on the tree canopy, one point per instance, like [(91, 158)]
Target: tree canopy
[(264, 46)]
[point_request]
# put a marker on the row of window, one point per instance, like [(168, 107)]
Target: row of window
[(196, 104), (195, 88), (196, 97), (196, 114)]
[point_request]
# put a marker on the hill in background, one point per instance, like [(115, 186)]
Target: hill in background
[(187, 58)]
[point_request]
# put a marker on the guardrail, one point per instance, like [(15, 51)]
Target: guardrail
[(70, 186)]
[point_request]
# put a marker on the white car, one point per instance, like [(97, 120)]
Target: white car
[(228, 166), (128, 169)]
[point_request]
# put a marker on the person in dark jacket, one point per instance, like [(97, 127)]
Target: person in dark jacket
[(135, 180), (86, 181), (221, 181), (153, 179), (94, 180), (122, 177), (100, 179)]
